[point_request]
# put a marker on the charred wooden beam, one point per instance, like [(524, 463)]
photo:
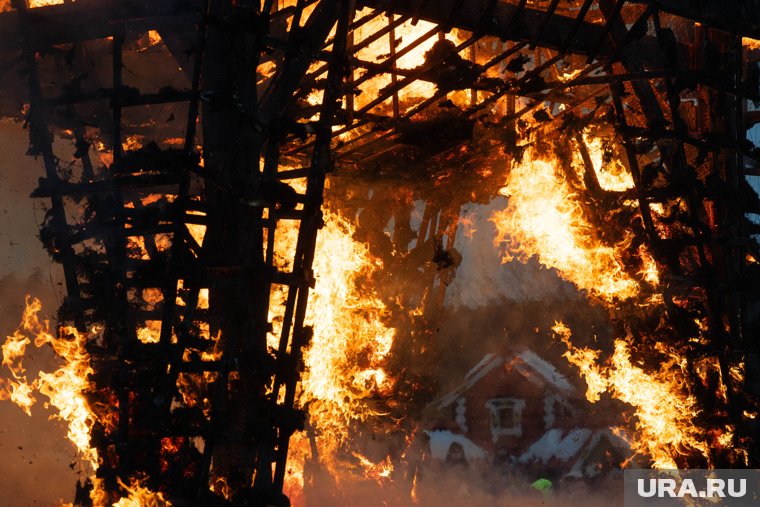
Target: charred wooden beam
[(94, 19), (127, 96), (510, 22), (40, 143), (741, 17)]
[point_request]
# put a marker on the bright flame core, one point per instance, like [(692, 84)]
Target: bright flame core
[(545, 218), (350, 343), (344, 364), (64, 387)]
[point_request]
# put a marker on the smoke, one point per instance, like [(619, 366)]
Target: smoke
[(435, 483), (451, 304), (482, 279), (489, 307)]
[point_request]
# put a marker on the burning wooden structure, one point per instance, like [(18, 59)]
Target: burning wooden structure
[(167, 217)]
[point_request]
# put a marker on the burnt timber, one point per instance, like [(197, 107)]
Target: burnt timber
[(237, 122)]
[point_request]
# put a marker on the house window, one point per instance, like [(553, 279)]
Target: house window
[(506, 417), (557, 411)]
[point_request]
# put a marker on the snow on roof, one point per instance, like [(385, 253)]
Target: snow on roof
[(485, 365), (616, 438), (441, 440), (553, 445), (488, 363), (545, 369), (529, 363)]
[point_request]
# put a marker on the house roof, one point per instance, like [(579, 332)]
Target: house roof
[(441, 440), (556, 444), (529, 359), (573, 447), (526, 362)]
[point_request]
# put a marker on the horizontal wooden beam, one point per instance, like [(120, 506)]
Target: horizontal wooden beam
[(740, 17), (509, 22), (94, 19)]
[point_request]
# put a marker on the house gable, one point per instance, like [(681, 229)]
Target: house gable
[(506, 401)]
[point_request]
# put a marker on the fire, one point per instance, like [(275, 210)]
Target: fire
[(18, 390), (405, 35), (569, 75), (413, 492), (198, 232), (468, 226), (545, 218), (65, 388), (548, 217), (139, 496), (150, 333), (132, 143), (610, 173), (586, 360), (44, 3), (664, 407), (389, 60), (344, 364), (376, 471), (154, 37), (750, 44)]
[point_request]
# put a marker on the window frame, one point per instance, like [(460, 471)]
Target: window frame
[(496, 407)]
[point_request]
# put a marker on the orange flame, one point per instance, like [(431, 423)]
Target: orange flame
[(65, 390), (44, 3), (750, 44), (665, 409), (545, 218), (63, 387), (139, 496), (344, 363)]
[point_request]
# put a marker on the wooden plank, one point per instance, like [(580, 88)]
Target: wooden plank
[(94, 19), (532, 26)]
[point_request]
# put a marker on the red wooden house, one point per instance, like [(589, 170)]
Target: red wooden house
[(518, 403)]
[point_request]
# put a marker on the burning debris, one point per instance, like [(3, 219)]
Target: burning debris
[(261, 212)]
